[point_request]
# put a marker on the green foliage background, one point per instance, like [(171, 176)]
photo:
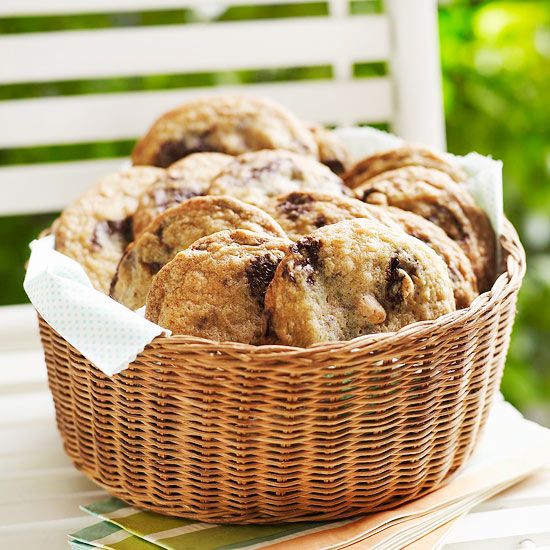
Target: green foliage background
[(496, 71)]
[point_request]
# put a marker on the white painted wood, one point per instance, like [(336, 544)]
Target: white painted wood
[(38, 485), (45, 535), (52, 458), (533, 491), (10, 8), (32, 436), (47, 188), (415, 67), (19, 368), (18, 324), (500, 529), (127, 115), (185, 48), (47, 509), (24, 408)]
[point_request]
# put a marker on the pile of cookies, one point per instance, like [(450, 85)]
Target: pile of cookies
[(240, 222)]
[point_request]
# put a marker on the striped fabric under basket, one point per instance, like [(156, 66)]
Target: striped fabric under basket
[(233, 433)]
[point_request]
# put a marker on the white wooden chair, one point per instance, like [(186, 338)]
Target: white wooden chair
[(38, 486)]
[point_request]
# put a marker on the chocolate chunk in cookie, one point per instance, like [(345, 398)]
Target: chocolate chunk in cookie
[(352, 278), (216, 288)]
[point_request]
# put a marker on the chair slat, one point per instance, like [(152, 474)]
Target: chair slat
[(10, 8), (48, 187), (18, 323), (186, 48), (86, 118)]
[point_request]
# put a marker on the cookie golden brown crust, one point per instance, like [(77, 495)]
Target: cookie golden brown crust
[(174, 231), (215, 289), (408, 155), (96, 228), (186, 178), (352, 278), (223, 124), (258, 177), (436, 197)]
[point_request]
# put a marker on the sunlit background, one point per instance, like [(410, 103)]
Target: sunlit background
[(496, 74)]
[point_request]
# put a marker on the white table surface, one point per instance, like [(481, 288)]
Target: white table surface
[(40, 490)]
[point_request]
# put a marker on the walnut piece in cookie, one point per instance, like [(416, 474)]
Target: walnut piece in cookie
[(215, 289), (186, 178), (97, 227), (302, 212), (332, 151), (258, 177), (408, 155), (460, 269), (224, 124), (175, 230), (352, 278)]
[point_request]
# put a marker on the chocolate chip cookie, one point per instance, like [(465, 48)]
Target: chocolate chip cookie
[(258, 177), (352, 278), (223, 124), (186, 178), (408, 155), (435, 196), (459, 266), (302, 212), (331, 150), (175, 230), (215, 289), (96, 228)]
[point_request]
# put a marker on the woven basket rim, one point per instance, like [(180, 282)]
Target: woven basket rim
[(509, 280)]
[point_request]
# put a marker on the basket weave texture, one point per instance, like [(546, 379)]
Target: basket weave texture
[(227, 432)]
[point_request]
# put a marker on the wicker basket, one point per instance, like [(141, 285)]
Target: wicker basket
[(240, 434)]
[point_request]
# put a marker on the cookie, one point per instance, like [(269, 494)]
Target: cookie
[(258, 177), (352, 278), (97, 227), (435, 196), (186, 178), (223, 124), (459, 266), (331, 150), (175, 230), (215, 289), (408, 155), (302, 212)]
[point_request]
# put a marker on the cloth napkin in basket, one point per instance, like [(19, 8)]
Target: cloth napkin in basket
[(511, 449)]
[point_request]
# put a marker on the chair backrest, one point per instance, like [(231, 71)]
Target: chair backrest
[(336, 43)]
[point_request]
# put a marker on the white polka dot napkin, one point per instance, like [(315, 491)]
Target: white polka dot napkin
[(104, 331)]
